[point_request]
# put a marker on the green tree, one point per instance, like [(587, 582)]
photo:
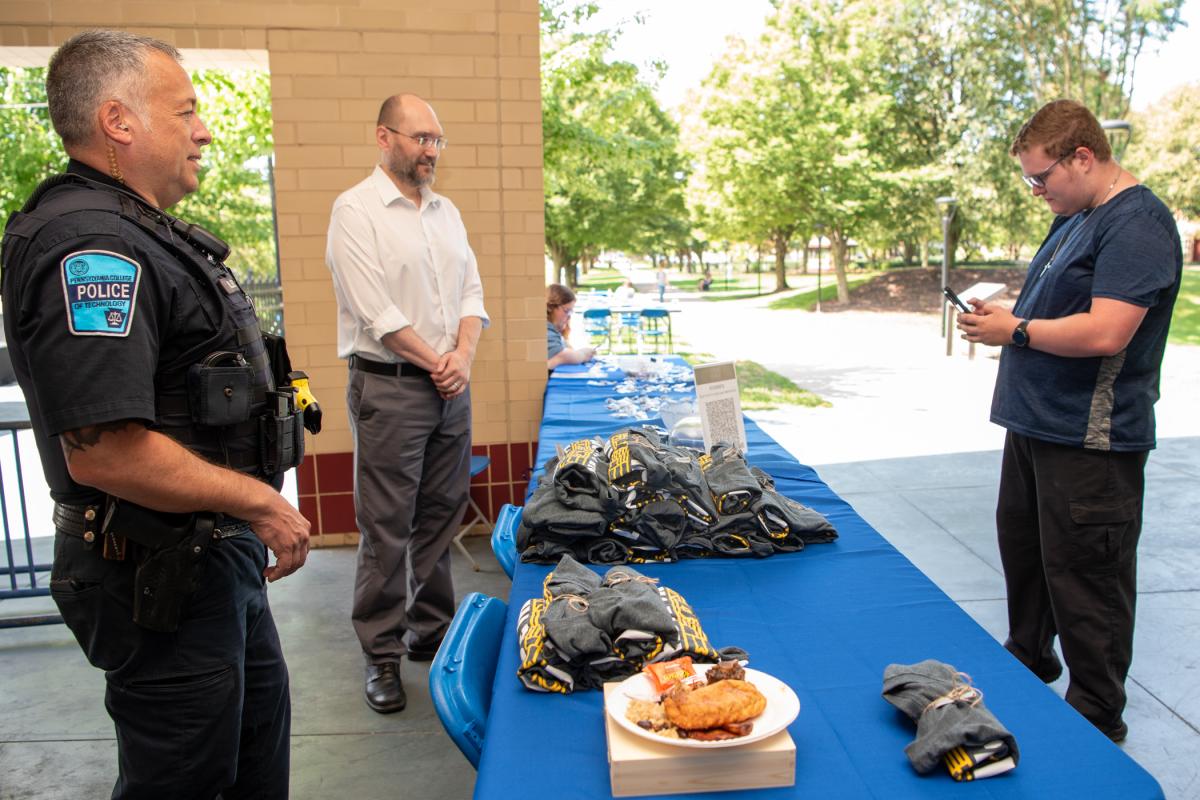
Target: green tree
[(612, 169), (752, 159), (29, 150), (1165, 151), (234, 201), (789, 133), (1083, 49)]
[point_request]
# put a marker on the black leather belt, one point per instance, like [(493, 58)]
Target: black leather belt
[(403, 369), (83, 522)]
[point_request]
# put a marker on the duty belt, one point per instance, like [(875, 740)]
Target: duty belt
[(402, 368), (83, 522)]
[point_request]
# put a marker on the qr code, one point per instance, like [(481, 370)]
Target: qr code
[(723, 421)]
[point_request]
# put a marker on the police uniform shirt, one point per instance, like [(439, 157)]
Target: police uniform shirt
[(100, 317)]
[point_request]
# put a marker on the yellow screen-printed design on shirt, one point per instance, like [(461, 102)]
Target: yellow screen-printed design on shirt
[(691, 635)]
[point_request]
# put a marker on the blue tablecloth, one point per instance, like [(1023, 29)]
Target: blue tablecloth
[(826, 621)]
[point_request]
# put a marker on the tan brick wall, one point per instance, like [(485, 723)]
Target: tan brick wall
[(332, 62)]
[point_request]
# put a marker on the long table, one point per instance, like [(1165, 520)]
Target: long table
[(826, 621)]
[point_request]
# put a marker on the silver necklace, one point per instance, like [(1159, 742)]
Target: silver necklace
[(1064, 239)]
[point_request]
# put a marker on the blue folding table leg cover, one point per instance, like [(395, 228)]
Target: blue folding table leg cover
[(504, 537), (461, 675)]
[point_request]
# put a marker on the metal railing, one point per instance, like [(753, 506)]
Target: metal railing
[(20, 569), (268, 303)]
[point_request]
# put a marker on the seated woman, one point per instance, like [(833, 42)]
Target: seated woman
[(706, 281), (624, 294), (560, 302)]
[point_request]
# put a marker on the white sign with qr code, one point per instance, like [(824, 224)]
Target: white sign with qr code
[(720, 406)]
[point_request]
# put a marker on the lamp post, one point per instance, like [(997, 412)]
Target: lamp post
[(950, 206), (1119, 134), (820, 231)]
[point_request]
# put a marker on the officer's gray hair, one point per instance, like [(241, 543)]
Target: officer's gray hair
[(93, 67)]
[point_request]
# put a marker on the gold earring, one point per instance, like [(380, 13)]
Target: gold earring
[(114, 169)]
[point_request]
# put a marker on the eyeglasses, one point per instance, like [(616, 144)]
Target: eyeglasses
[(423, 140), (1039, 181)]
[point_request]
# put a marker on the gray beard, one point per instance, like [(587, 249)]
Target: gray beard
[(410, 175)]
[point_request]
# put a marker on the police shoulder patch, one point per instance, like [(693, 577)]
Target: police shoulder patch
[(100, 289)]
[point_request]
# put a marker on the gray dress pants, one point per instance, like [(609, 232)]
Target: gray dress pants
[(412, 456)]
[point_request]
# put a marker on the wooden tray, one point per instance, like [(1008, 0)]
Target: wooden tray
[(640, 767)]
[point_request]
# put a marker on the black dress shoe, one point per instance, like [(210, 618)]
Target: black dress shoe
[(384, 691), (1118, 732)]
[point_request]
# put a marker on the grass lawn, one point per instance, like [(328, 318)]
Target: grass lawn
[(807, 301), (740, 285), (760, 389), (1185, 322)]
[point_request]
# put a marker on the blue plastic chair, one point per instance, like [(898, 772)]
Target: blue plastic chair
[(598, 324), (630, 322), (652, 319), (504, 537), (478, 465), (460, 677)]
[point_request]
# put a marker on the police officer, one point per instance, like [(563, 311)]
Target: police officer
[(160, 433)]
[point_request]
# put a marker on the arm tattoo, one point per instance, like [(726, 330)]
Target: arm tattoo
[(79, 440)]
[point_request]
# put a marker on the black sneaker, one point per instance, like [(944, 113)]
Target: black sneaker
[(384, 691)]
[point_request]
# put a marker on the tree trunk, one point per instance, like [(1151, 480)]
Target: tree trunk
[(564, 271), (780, 240), (837, 247)]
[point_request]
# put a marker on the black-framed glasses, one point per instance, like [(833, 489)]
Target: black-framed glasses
[(423, 140), (1039, 181)]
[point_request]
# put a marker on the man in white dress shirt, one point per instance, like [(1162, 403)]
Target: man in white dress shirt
[(410, 311)]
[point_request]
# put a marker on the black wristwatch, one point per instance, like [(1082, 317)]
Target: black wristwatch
[(1020, 337)]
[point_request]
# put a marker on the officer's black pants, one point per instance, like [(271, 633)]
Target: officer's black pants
[(201, 712), (1068, 521)]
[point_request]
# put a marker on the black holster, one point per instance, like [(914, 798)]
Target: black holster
[(280, 433), (170, 555)]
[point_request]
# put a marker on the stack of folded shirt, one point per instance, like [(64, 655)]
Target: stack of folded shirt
[(585, 630), (953, 725), (637, 499)]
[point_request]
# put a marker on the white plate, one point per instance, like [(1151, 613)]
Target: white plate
[(782, 708)]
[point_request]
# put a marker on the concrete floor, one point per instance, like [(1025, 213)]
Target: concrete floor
[(56, 741), (938, 511), (906, 442)]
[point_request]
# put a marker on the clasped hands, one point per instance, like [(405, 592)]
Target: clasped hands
[(452, 374)]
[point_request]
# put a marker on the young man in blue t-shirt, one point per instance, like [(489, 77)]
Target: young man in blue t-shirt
[(1076, 388)]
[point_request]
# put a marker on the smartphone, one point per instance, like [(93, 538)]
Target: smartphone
[(953, 298)]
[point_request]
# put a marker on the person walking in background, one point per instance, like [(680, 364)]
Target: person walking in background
[(660, 280), (560, 304), (410, 313), (1076, 388)]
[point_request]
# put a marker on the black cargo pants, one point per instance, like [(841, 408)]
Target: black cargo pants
[(1068, 521), (203, 711)]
